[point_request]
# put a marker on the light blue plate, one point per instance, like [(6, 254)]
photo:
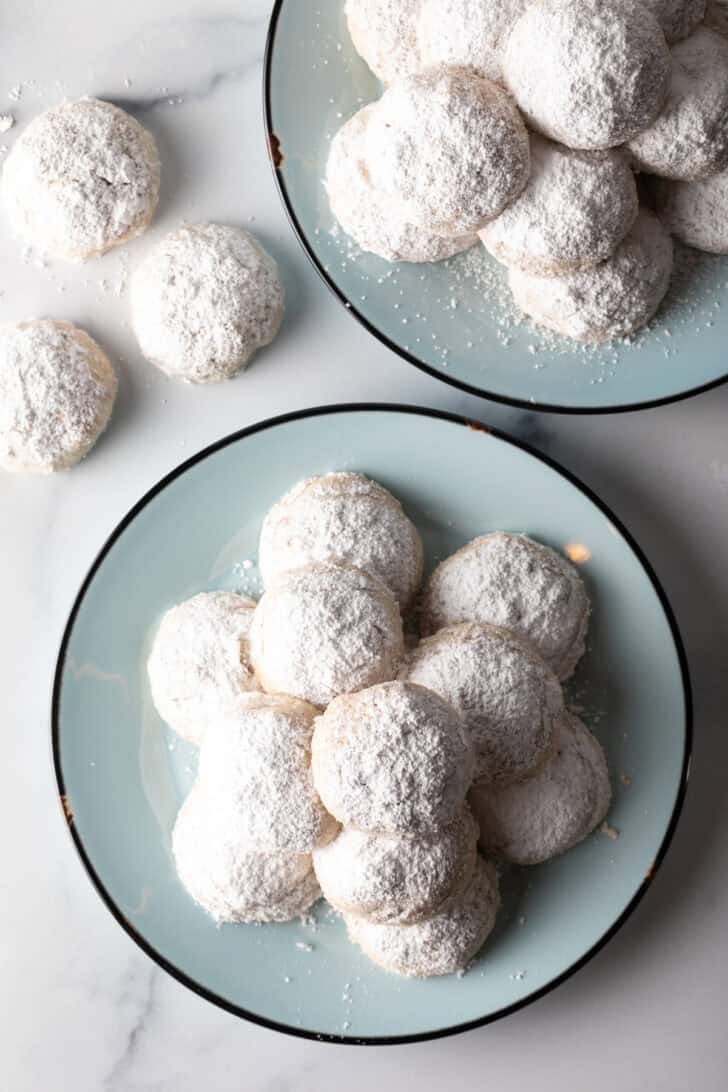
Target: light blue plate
[(436, 316), (122, 775)]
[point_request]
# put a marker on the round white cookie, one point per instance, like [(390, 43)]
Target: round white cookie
[(689, 140), (82, 178), (386, 878), (384, 33), (324, 630), (347, 519), (199, 665), (508, 696), (444, 943), (448, 148), (553, 811), (393, 759), (574, 212), (678, 18), (257, 760), (509, 580), (612, 300), (57, 391), (368, 216), (229, 880), (470, 33), (204, 301), (583, 79), (696, 213)]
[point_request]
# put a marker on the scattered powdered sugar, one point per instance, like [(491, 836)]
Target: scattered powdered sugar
[(549, 814), (324, 630), (199, 665), (449, 148), (257, 763), (57, 391), (575, 210), (231, 882), (384, 33), (204, 301), (444, 943), (695, 212), (6, 122), (83, 177), (467, 32), (689, 140), (393, 759), (678, 18), (387, 878), (587, 79), (346, 519), (508, 696), (508, 580)]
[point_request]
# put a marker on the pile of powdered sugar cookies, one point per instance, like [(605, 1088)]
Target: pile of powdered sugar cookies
[(574, 138), (342, 754), (83, 178)]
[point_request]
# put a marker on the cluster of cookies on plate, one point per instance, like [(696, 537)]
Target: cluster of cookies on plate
[(529, 125), (341, 754)]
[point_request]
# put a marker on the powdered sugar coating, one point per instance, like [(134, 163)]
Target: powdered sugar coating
[(509, 580), (677, 18), (470, 33), (507, 695), (57, 391), (384, 33), (574, 213), (689, 140), (393, 759), (449, 148), (444, 943), (83, 177), (695, 212), (199, 664), (204, 301), (614, 299), (588, 75), (324, 630), (257, 759), (346, 519), (369, 217), (553, 811), (229, 880), (386, 878)]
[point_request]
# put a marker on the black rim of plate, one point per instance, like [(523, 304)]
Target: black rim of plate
[(180, 975), (274, 153)]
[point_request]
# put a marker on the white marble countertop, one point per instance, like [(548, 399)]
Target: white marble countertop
[(81, 1008)]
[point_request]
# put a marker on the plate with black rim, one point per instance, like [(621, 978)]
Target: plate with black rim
[(122, 774), (454, 319)]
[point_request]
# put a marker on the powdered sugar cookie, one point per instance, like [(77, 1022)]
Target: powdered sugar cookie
[(82, 178), (393, 759), (57, 391), (199, 665), (467, 32), (386, 878), (553, 811), (204, 301), (678, 18), (689, 140), (509, 580), (257, 759), (584, 79), (448, 148), (574, 213), (346, 519), (509, 698), (324, 630), (229, 880), (384, 33), (696, 213), (368, 216), (443, 944), (611, 300)]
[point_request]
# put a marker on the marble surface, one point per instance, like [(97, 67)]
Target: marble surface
[(81, 1007)]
